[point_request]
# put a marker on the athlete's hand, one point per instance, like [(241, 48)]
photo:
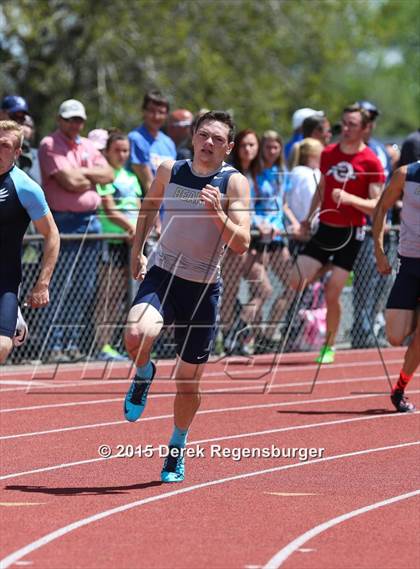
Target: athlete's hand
[(39, 296), (138, 266), (382, 263), (305, 230), (341, 197), (210, 197), (21, 333)]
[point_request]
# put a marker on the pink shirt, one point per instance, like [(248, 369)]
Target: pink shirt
[(57, 152)]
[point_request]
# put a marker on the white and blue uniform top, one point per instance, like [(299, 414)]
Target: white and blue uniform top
[(409, 245), (21, 200), (190, 245)]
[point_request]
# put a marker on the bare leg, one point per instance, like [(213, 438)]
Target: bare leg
[(412, 355), (280, 262), (232, 269), (188, 397), (333, 291), (144, 324), (399, 325), (255, 273), (304, 271), (6, 345)]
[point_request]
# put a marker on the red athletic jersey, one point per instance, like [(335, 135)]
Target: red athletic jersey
[(353, 173)]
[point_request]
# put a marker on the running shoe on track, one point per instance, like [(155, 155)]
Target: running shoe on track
[(326, 355), (400, 402), (135, 400), (173, 468)]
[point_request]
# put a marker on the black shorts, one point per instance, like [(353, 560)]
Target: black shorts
[(8, 311), (191, 306), (340, 245), (405, 294)]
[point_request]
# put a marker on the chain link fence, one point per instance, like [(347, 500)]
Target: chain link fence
[(91, 293)]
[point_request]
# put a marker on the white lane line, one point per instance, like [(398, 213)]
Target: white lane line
[(215, 439), (96, 366), (234, 373), (52, 536), (342, 380), (278, 559), (205, 412), (22, 382)]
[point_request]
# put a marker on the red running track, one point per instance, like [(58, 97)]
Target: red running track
[(355, 504)]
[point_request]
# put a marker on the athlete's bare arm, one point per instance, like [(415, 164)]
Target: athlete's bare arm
[(147, 216), (366, 205), (234, 225), (390, 196), (39, 295)]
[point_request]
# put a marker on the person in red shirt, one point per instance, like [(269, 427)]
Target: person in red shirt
[(351, 182)]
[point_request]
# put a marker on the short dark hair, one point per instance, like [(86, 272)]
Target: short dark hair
[(356, 108), (219, 116), (156, 97), (312, 123), (114, 135)]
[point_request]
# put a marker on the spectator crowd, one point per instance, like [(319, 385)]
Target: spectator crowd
[(95, 184)]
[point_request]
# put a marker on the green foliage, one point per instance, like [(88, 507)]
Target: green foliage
[(262, 59)]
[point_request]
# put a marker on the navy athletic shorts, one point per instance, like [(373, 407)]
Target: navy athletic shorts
[(191, 306), (405, 294), (340, 245), (8, 311)]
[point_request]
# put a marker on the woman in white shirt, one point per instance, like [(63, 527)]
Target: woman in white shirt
[(304, 177)]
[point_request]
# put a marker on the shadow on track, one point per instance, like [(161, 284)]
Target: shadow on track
[(365, 412), (84, 490)]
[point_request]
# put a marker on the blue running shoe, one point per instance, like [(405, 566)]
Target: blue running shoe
[(173, 468), (135, 400)]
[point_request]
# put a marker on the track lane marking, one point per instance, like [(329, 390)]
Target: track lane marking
[(278, 559), (52, 536), (214, 439), (342, 380), (278, 369), (204, 412), (291, 494)]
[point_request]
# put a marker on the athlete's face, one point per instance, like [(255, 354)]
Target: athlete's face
[(9, 150), (352, 129), (248, 148), (211, 143), (117, 154), (154, 116), (71, 127)]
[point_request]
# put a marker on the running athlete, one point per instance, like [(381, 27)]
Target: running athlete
[(206, 207), (352, 179), (403, 307), (21, 200)]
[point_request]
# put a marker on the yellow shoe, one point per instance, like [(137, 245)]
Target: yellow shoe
[(326, 355)]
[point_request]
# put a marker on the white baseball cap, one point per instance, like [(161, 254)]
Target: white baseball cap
[(72, 108), (301, 114)]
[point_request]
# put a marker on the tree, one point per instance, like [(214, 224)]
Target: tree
[(261, 59)]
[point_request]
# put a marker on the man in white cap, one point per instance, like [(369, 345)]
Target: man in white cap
[(297, 120), (71, 166), (179, 129)]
